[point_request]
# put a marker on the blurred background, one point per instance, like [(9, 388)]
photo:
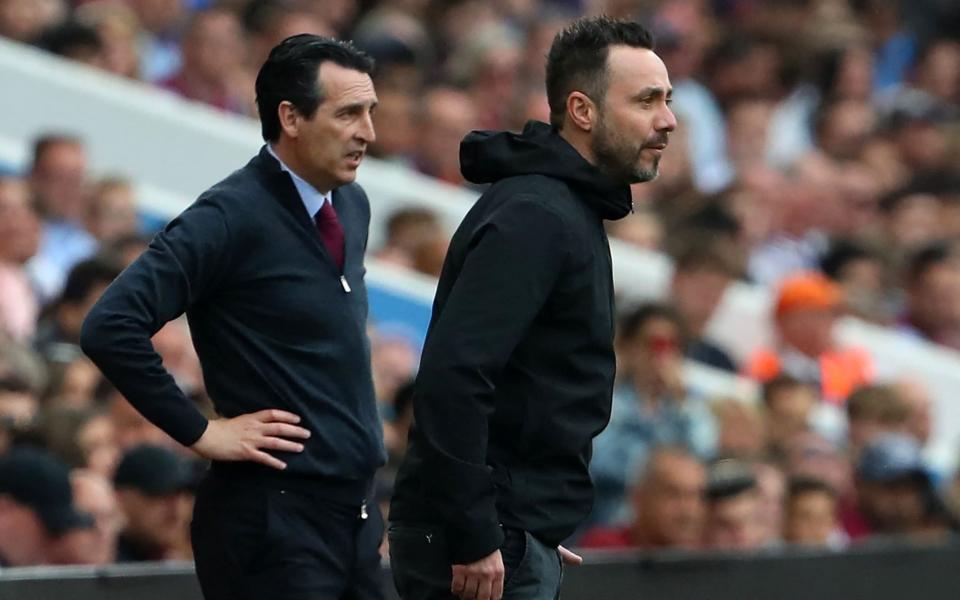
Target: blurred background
[(789, 287)]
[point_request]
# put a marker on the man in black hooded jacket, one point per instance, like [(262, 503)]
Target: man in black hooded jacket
[(518, 366)]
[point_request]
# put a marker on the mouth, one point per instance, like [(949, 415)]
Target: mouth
[(354, 158)]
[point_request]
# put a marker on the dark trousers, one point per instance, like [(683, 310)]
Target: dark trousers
[(268, 542), (422, 571)]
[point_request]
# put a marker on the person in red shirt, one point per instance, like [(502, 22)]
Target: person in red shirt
[(668, 506)]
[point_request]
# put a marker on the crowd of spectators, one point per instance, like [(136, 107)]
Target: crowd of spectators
[(815, 156)]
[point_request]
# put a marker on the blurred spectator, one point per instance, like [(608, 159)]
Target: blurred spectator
[(36, 507), (430, 254), (789, 405), (668, 506), (915, 396), (805, 312), (486, 63), (702, 272), (651, 406), (860, 273), (269, 22), (740, 429), (58, 334), (19, 241), (895, 492), (872, 411), (394, 124), (81, 437), (112, 212), (811, 455), (160, 23), (117, 27), (811, 513), (19, 406), (732, 507), (150, 482), (393, 357), (771, 493), (407, 228), (57, 180), (933, 296), (911, 220), (447, 116), (126, 249), (75, 41), (212, 68), (93, 494), (24, 20)]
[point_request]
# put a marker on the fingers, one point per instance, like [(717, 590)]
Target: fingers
[(471, 587), (280, 444), (265, 459), (459, 579), (497, 591), (275, 415), (568, 557), (484, 588), (285, 430)]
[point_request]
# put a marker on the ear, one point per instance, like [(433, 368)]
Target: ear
[(290, 119), (581, 111)]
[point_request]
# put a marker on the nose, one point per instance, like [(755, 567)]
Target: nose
[(366, 133), (666, 120)]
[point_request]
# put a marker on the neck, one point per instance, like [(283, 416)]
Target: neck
[(285, 150)]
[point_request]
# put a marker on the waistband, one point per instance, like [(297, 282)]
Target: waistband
[(354, 492)]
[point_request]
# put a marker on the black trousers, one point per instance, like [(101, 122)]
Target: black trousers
[(256, 542), (422, 571)]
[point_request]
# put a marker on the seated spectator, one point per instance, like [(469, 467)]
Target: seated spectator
[(57, 180), (916, 397), (112, 213), (872, 411), (394, 124), (771, 491), (933, 296), (150, 481), (741, 429), (651, 406), (447, 115), (19, 406), (667, 503), (811, 514), (213, 69), (789, 405), (61, 327), (75, 41), (130, 428), (702, 272), (407, 228), (94, 494), (118, 27), (19, 241), (860, 273), (805, 313), (896, 494), (643, 229), (732, 507), (36, 508)]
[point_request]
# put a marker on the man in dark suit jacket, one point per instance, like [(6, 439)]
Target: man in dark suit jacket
[(268, 266)]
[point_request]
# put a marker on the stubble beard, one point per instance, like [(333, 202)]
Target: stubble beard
[(619, 158)]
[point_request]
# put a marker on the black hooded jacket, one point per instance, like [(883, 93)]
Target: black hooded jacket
[(517, 371)]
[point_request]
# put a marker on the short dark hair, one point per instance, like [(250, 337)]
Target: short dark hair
[(801, 485), (578, 59), (780, 383), (48, 140), (290, 73), (842, 253), (87, 275), (924, 259), (634, 321), (71, 39)]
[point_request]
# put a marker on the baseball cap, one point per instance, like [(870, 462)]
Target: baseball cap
[(153, 470), (807, 290), (38, 480), (891, 457)]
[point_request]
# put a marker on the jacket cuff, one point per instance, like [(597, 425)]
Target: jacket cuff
[(467, 544)]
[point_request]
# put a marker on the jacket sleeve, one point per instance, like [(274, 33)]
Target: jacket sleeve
[(181, 266), (510, 268)]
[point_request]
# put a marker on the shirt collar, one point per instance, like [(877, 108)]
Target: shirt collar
[(312, 199)]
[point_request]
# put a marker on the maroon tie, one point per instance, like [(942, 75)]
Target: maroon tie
[(331, 233)]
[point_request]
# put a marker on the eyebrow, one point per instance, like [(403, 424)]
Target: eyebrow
[(356, 106), (654, 90)]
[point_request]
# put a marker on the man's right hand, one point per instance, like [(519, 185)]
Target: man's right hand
[(247, 436), (481, 580)]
